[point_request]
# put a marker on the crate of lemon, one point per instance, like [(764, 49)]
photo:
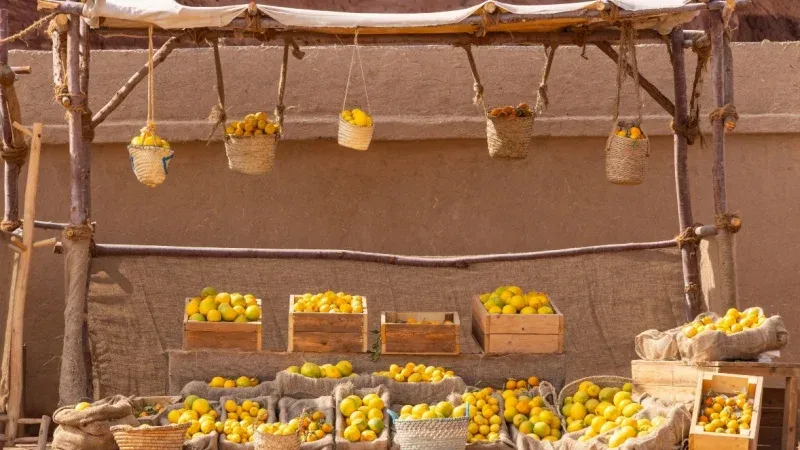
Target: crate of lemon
[(508, 320), (150, 157), (355, 129), (250, 144), (727, 412), (627, 154), (420, 333), (328, 322), (222, 320)]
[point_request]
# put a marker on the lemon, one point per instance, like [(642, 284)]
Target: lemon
[(187, 403), (192, 307), (228, 313), (546, 310), (217, 382), (509, 309), (243, 382), (137, 140), (149, 141), (174, 415), (214, 316), (81, 406), (201, 406), (253, 313), (541, 429), (230, 406), (345, 367), (352, 433)]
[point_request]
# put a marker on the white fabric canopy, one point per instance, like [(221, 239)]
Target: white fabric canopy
[(170, 14)]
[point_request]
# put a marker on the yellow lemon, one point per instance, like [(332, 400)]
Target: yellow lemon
[(81, 406)]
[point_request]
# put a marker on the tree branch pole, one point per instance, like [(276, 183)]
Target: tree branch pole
[(101, 250), (11, 168), (74, 379), (140, 75), (691, 273), (649, 87), (87, 135), (725, 240)]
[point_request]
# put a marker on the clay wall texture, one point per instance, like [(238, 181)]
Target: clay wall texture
[(428, 186)]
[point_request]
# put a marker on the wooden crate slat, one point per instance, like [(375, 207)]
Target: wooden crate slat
[(326, 332), (321, 342), (404, 338), (525, 343)]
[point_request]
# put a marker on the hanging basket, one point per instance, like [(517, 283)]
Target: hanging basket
[(150, 163), (508, 138), (431, 434), (169, 437), (265, 441), (354, 136), (251, 155), (626, 159)]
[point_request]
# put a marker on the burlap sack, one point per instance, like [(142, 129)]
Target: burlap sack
[(139, 402), (269, 402), (344, 390), (289, 408), (416, 393), (298, 386), (203, 390), (505, 442), (549, 395), (206, 442), (745, 345), (654, 345), (91, 428)]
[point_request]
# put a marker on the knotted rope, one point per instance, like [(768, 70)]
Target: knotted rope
[(627, 56), (728, 221), (727, 114), (542, 101), (477, 86), (9, 226), (280, 108), (356, 52), (31, 28), (692, 131), (151, 88), (78, 232), (15, 155), (688, 237), (218, 115)]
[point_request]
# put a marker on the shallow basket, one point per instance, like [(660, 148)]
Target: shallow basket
[(508, 138), (251, 155), (263, 441), (169, 437), (354, 136), (432, 434), (627, 159), (150, 163)]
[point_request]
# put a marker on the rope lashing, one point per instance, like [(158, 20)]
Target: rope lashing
[(151, 88), (9, 226), (691, 287), (727, 114), (477, 86), (78, 232), (356, 53), (15, 155), (728, 221), (30, 29), (687, 237), (627, 57), (218, 115), (280, 108), (542, 101), (692, 130)]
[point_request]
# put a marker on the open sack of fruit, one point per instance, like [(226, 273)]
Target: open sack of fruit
[(147, 437), (150, 155), (202, 415), (355, 125), (312, 381), (315, 418), (487, 429), (434, 425), (241, 418), (362, 417), (532, 417), (417, 383), (241, 388), (147, 410), (736, 336), (627, 148), (85, 425)]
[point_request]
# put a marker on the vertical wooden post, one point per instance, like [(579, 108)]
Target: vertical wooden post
[(74, 380), (11, 211), (691, 277), (725, 241), (17, 376)]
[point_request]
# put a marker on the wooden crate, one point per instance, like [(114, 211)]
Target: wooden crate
[(326, 332), (668, 380), (400, 338), (517, 333), (727, 384), (244, 336)]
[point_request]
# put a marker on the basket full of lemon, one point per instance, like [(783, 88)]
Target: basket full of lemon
[(627, 154), (355, 129), (150, 156), (508, 131), (251, 143)]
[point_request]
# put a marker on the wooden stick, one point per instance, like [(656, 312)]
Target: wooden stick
[(727, 272), (140, 75), (22, 128), (789, 437), (350, 255), (22, 70), (5, 368), (691, 273), (705, 230), (11, 169), (59, 41), (86, 126), (17, 373), (45, 243), (79, 161), (50, 225), (649, 87)]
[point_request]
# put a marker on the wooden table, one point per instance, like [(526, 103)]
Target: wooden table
[(678, 381)]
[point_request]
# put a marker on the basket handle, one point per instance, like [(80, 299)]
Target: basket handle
[(627, 55), (356, 52), (477, 86)]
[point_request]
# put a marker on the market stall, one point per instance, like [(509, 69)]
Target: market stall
[(251, 143)]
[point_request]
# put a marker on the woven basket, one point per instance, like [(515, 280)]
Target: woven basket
[(431, 434), (508, 138), (354, 136), (263, 441), (627, 159), (169, 437), (251, 155), (150, 163)]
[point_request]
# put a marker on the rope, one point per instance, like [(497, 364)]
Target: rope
[(687, 237), (627, 56), (692, 129), (541, 97), (728, 221), (14, 155), (9, 226), (280, 108), (727, 114), (477, 86), (31, 28), (356, 52), (151, 99), (218, 115), (78, 232)]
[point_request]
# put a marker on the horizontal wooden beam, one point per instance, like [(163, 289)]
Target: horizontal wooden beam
[(22, 70), (101, 250)]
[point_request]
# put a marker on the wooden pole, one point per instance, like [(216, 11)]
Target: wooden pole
[(17, 376), (691, 274), (11, 168), (725, 241), (101, 250), (79, 160)]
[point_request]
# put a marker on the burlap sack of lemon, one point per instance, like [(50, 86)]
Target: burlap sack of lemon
[(251, 143), (150, 155), (202, 415), (241, 418), (88, 425)]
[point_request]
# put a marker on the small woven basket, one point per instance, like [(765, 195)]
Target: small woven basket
[(627, 159), (169, 437), (508, 138), (150, 163), (264, 441), (251, 155), (354, 136), (431, 434)]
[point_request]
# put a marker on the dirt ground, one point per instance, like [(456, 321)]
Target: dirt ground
[(773, 20)]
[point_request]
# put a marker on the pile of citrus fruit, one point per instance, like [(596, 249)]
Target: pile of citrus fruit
[(329, 302), (595, 407), (629, 132), (149, 139), (733, 322), (520, 386), (241, 382), (484, 412), (510, 112), (252, 125), (511, 300), (423, 411), (148, 410), (217, 307), (242, 419), (363, 417), (310, 370), (310, 426), (531, 417), (416, 373), (726, 414), (357, 117), (198, 412)]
